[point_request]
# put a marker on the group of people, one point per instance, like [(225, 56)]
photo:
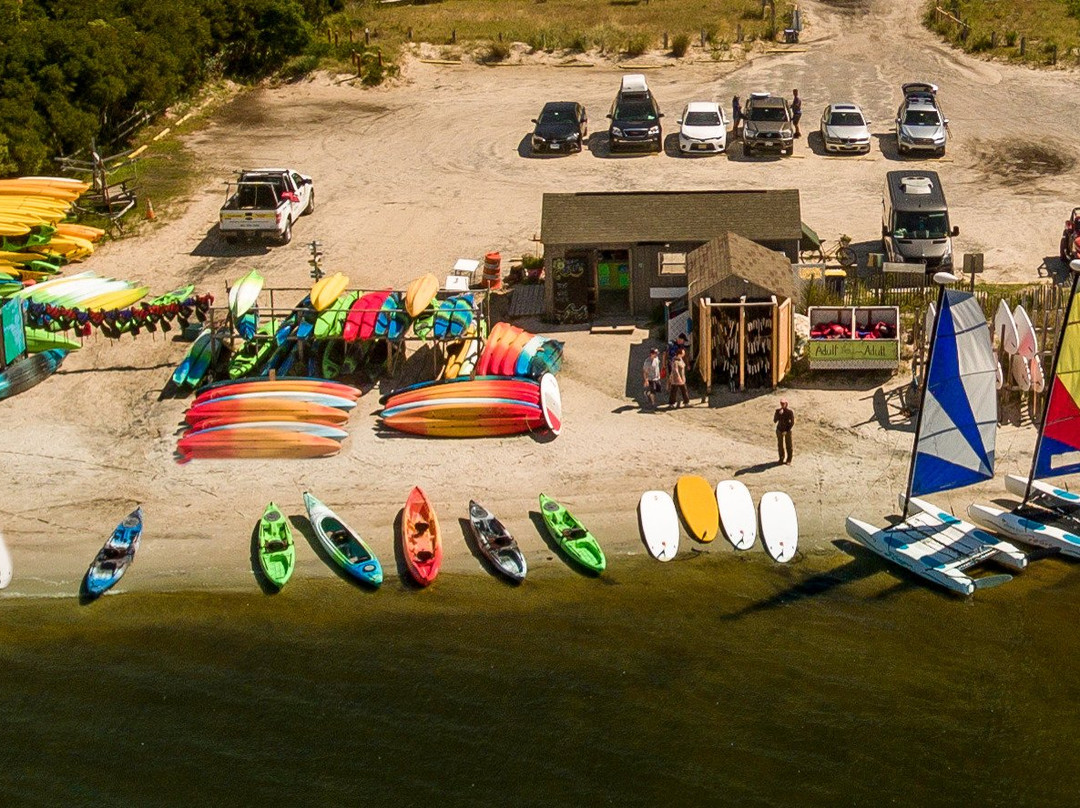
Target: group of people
[(796, 113), (673, 368)]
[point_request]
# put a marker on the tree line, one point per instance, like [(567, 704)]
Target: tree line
[(73, 71)]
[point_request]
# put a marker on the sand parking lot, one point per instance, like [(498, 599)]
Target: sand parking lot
[(412, 176)]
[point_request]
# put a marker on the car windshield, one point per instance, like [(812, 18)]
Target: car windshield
[(921, 117), (701, 119), (768, 114), (845, 119), (918, 224), (635, 111), (557, 116)]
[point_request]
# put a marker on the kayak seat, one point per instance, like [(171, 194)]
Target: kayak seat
[(574, 533), (425, 556)]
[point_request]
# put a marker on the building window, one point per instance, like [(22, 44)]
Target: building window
[(673, 263)]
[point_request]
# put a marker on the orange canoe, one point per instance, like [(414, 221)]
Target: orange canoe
[(420, 538)]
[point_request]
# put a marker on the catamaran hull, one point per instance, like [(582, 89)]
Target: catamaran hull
[(1029, 531), (1050, 494), (879, 541), (1006, 554)]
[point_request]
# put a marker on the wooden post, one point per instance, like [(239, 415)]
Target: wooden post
[(665, 40), (1053, 53), (993, 39), (738, 32), (453, 35), (367, 37), (703, 37), (1023, 45), (742, 344), (409, 33)]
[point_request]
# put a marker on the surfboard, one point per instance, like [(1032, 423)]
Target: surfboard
[(1005, 333), (697, 504), (1021, 372), (5, 564), (779, 525), (1027, 340), (737, 513), (1038, 378), (659, 524)]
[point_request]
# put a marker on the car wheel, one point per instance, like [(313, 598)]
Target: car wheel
[(311, 203), (286, 234), (746, 150)]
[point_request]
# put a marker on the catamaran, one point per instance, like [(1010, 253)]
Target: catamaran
[(954, 447), (1056, 524)]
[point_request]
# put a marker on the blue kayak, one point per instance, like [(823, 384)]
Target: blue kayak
[(116, 554)]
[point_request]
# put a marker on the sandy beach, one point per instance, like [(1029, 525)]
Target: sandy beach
[(434, 167)]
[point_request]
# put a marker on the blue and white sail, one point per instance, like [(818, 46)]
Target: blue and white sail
[(955, 436)]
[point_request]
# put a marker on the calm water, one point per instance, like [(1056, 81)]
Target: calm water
[(708, 681)]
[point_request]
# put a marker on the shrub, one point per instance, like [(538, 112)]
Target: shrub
[(299, 66), (980, 43), (1010, 39), (680, 45), (496, 52), (637, 45), (579, 43)]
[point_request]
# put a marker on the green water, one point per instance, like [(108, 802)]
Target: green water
[(707, 681)]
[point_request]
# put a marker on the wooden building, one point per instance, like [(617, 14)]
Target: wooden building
[(742, 299), (625, 253)]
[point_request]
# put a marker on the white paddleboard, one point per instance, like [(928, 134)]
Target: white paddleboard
[(5, 564), (737, 513), (1005, 334), (1027, 341), (1021, 373), (779, 525), (928, 323), (659, 524)]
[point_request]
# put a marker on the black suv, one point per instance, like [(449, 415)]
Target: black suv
[(635, 118), (561, 127)]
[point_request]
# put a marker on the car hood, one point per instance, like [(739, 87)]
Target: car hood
[(770, 126), (848, 132), (555, 131), (704, 132), (923, 248), (634, 121), (923, 131)]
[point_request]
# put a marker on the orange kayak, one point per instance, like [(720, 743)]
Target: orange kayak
[(255, 443), (420, 540), (277, 385), (263, 409)]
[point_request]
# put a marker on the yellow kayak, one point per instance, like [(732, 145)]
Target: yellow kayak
[(13, 229), (83, 231), (420, 293), (328, 289), (119, 299)]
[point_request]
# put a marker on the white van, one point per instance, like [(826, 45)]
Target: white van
[(915, 220)]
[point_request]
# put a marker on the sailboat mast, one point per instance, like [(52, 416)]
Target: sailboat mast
[(1075, 267), (941, 281)]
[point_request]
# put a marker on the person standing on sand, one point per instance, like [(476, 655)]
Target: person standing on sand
[(796, 111), (650, 376), (677, 380), (784, 418), (736, 115)]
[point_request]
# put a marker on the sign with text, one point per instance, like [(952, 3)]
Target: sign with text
[(853, 354)]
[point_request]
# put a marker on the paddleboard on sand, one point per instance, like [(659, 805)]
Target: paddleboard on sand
[(659, 524), (1027, 341), (737, 513), (1005, 333), (697, 504), (5, 564), (779, 525)]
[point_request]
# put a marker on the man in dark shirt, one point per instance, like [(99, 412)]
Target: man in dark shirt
[(796, 111), (784, 418)]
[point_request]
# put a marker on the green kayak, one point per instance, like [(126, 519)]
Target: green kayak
[(571, 535), (277, 553), (250, 356)]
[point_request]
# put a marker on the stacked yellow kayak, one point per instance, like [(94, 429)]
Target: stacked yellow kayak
[(34, 239)]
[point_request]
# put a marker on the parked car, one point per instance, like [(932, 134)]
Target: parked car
[(1070, 238), (562, 126), (767, 125), (844, 128), (915, 226), (635, 117), (264, 203), (920, 125), (703, 128)]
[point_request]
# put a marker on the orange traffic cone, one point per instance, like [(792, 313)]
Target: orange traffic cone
[(150, 215)]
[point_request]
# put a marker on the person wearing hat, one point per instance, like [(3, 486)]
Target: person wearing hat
[(784, 419), (650, 375)]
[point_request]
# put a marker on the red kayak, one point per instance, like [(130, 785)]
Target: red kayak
[(255, 443), (263, 409), (278, 385), (420, 541), (524, 390), (360, 322)]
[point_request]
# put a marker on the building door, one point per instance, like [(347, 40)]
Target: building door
[(612, 282)]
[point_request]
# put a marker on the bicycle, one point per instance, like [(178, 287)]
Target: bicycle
[(840, 252)]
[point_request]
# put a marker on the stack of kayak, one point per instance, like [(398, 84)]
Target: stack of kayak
[(267, 418), (34, 239), (85, 302), (512, 351), (486, 406)]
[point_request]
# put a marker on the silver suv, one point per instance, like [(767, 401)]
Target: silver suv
[(920, 126), (767, 125)]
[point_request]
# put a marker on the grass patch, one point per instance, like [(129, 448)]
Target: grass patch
[(680, 45), (1045, 29)]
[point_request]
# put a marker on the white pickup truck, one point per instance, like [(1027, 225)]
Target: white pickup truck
[(264, 202)]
